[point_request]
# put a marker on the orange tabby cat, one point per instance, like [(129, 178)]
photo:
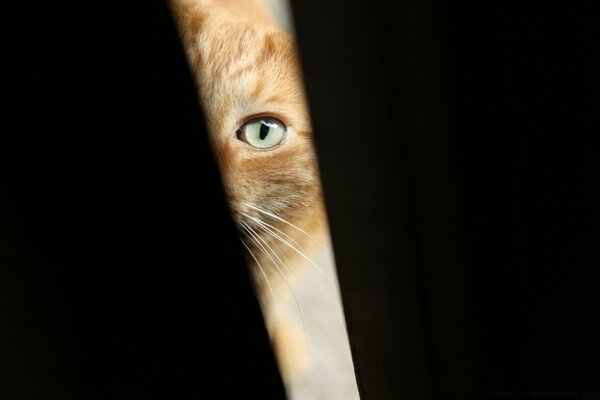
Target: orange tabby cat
[(252, 93)]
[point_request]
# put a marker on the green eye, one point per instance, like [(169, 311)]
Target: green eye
[(262, 133)]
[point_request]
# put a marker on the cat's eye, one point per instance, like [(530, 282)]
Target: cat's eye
[(262, 133)]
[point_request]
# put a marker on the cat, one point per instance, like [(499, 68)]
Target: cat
[(250, 86)]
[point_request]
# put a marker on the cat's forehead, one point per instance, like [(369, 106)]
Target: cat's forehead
[(248, 68), (230, 48)]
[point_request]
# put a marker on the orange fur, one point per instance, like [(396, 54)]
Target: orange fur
[(247, 66)]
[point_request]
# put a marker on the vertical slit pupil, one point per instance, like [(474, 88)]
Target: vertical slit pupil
[(264, 130)]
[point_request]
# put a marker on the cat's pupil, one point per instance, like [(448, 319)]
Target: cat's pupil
[(264, 130)]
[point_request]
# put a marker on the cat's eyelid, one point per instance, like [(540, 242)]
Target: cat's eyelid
[(273, 115)]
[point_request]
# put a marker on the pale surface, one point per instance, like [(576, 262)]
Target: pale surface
[(331, 374)]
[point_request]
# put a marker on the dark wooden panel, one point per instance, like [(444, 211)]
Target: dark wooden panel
[(122, 276), (455, 141), (379, 109)]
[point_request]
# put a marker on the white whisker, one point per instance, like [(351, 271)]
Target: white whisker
[(252, 231), (257, 239), (302, 255), (280, 251), (261, 222), (254, 234), (261, 270), (270, 214)]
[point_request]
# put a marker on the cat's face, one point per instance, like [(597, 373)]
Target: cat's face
[(252, 95), (256, 112)]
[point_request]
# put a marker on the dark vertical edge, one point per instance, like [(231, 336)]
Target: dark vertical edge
[(423, 69), (122, 275), (357, 80)]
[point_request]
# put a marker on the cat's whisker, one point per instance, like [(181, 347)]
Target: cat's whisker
[(261, 222), (278, 218), (255, 234), (299, 252), (280, 251), (257, 239), (261, 270)]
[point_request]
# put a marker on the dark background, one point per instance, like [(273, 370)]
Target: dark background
[(456, 142), (456, 147), (121, 273)]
